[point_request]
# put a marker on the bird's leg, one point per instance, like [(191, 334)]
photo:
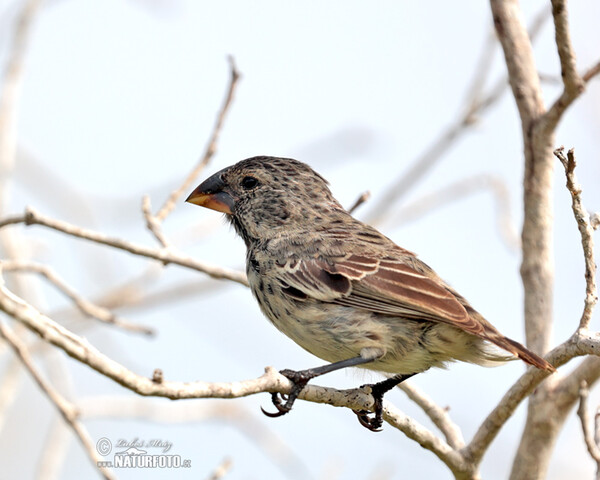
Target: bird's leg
[(378, 390), (301, 377)]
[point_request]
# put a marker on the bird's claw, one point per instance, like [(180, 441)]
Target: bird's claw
[(299, 380), (372, 423), (282, 408)]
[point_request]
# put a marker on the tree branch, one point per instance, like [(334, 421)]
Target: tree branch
[(537, 270), (581, 343), (476, 104), (362, 198), (153, 223), (211, 147), (574, 84), (9, 100), (86, 307), (454, 191), (587, 234), (271, 381), (32, 217), (66, 409), (571, 79), (590, 441), (221, 470), (462, 463), (438, 415)]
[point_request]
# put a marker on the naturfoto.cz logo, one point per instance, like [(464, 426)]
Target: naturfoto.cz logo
[(135, 454)]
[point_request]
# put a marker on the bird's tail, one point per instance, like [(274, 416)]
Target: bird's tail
[(517, 349)]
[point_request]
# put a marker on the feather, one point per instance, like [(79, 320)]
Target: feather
[(396, 287)]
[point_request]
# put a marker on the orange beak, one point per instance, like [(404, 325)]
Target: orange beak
[(210, 194)]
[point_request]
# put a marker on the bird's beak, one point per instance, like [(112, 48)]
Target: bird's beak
[(210, 194)]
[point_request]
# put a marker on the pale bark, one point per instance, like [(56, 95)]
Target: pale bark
[(545, 417)]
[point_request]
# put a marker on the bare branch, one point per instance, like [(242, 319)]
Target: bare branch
[(518, 54), (9, 99), (271, 381), (460, 466), (85, 306), (66, 409), (152, 222), (574, 84), (588, 436), (422, 164), (565, 392), (32, 217), (359, 201), (591, 73), (581, 343), (210, 147), (221, 470), (56, 448), (438, 415), (571, 79), (595, 220), (537, 267), (9, 387), (9, 96), (459, 189), (476, 104), (587, 235)]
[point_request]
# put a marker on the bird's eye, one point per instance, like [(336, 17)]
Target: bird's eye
[(248, 183)]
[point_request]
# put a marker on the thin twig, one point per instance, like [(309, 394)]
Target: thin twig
[(587, 234), (10, 91), (86, 307), (581, 343), (588, 436), (574, 84), (595, 220), (66, 409), (460, 466), (211, 147), (9, 388), (571, 79), (56, 449), (271, 381), (438, 415), (153, 223), (9, 95), (221, 470), (481, 72), (32, 217), (591, 73), (475, 105), (359, 201), (460, 189)]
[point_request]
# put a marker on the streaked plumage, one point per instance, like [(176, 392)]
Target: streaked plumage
[(337, 286)]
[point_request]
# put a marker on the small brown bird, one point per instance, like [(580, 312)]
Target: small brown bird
[(342, 290)]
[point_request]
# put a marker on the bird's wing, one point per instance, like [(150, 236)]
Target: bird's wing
[(390, 285)]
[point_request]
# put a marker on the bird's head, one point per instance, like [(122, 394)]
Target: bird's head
[(264, 196)]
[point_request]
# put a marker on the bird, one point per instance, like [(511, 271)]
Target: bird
[(341, 289)]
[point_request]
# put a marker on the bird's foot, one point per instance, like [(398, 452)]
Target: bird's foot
[(378, 390), (375, 421), (283, 403)]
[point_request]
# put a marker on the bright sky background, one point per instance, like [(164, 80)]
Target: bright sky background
[(118, 101)]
